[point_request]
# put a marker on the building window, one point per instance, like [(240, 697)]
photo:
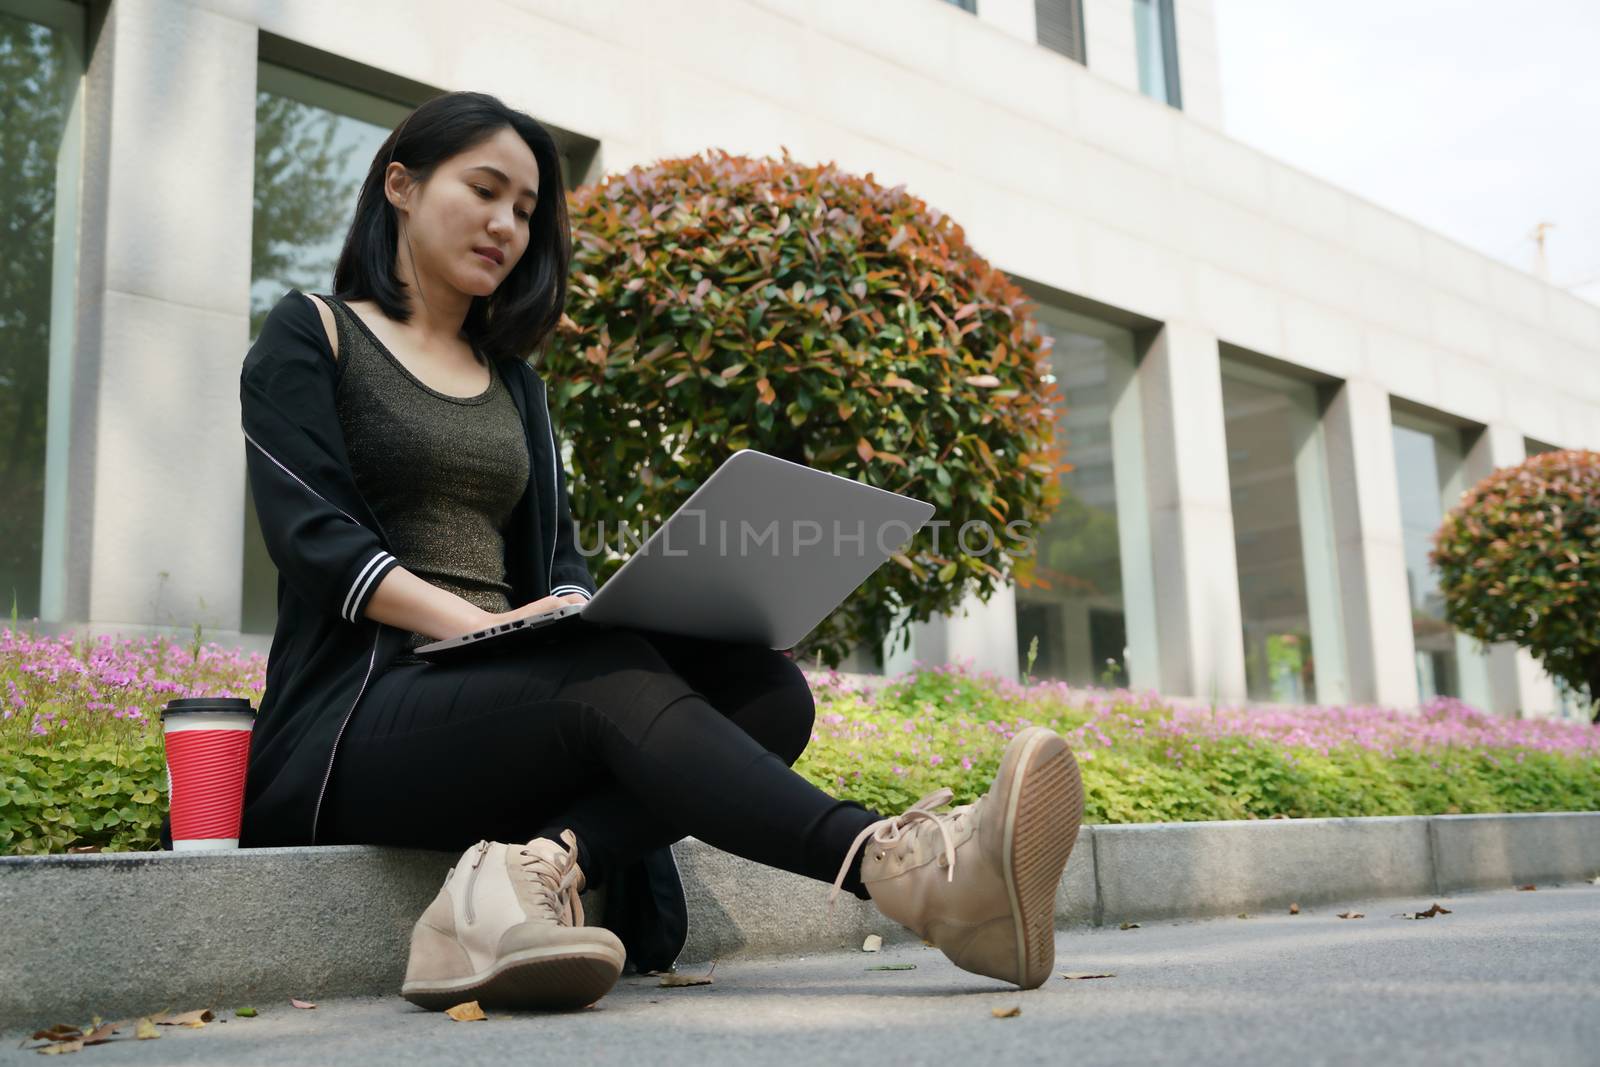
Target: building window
[(1537, 448), (1430, 466), (41, 138), (1058, 26), (1086, 592), (314, 142), (1155, 32), (1283, 540)]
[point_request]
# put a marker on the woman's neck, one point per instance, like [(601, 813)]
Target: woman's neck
[(438, 311)]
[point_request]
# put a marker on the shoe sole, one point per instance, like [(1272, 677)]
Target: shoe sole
[(1044, 808), (564, 979)]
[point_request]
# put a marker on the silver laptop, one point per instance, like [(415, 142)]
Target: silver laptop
[(760, 554)]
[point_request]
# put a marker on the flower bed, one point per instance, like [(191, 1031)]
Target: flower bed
[(82, 762), (81, 758)]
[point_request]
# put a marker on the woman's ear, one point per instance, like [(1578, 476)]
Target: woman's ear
[(398, 186)]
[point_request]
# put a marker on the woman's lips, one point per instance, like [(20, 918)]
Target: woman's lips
[(492, 255)]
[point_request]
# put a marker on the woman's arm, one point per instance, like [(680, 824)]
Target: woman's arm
[(403, 600)]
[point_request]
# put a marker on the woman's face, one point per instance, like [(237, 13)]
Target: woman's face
[(468, 223)]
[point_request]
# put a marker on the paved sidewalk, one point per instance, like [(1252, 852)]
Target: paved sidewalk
[(1507, 977)]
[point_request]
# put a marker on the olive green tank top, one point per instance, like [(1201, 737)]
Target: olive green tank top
[(442, 473)]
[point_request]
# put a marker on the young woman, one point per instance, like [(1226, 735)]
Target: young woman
[(410, 488)]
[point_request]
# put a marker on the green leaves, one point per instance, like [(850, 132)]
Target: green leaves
[(814, 315), (65, 793), (1519, 560)]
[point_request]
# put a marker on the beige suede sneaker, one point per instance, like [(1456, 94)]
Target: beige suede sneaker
[(507, 931), (979, 881)]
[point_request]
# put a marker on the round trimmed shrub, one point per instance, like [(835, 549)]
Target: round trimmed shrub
[(721, 302), (1519, 560)]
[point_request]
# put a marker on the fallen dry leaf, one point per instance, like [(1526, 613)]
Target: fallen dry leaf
[(58, 1032), (1294, 909), (872, 944), (674, 980), (1006, 1013), (1430, 913), (75, 1045), (1526, 888), (1074, 975), (1351, 915), (1128, 926), (101, 1034), (1244, 915), (892, 967), (81, 850), (192, 1019), (467, 1013), (301, 1003), (146, 1030)]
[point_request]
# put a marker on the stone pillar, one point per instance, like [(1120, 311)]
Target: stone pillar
[(154, 513), (1379, 650), (1518, 686), (1199, 629)]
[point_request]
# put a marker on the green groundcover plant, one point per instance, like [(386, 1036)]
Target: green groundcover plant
[(82, 764)]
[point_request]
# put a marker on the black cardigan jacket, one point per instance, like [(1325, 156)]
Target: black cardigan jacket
[(331, 554)]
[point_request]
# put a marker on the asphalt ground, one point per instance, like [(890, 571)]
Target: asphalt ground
[(1506, 977)]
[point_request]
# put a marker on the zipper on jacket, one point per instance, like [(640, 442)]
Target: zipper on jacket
[(327, 775), (297, 478), (377, 527), (472, 876), (555, 486)]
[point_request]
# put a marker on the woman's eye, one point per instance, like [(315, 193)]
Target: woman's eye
[(524, 215), (486, 194)]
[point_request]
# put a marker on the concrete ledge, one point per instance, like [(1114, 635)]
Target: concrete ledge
[(1177, 870), (1495, 851), (130, 933), (137, 932)]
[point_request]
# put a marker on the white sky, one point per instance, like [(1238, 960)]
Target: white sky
[(1475, 119)]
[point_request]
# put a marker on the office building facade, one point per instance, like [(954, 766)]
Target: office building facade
[(1272, 390)]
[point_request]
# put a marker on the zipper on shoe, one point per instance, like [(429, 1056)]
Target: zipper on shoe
[(472, 876)]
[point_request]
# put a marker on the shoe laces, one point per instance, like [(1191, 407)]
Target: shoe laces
[(893, 830), (556, 880)]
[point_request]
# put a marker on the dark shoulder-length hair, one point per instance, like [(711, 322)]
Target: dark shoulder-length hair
[(515, 320)]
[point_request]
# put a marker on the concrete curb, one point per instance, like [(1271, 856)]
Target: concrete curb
[(128, 933)]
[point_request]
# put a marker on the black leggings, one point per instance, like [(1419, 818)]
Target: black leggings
[(631, 741)]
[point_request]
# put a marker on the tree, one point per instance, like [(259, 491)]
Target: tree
[(304, 197), (721, 302), (1519, 560), (33, 116)]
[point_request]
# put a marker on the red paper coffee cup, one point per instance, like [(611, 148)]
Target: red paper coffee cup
[(208, 746)]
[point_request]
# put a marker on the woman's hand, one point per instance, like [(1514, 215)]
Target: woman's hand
[(538, 607)]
